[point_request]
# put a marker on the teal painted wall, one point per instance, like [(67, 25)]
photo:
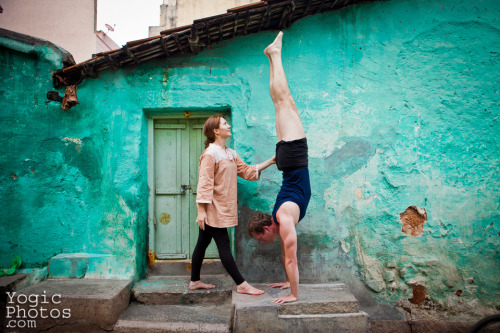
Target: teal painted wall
[(71, 182), (400, 103)]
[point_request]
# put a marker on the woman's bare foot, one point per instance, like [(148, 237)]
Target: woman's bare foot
[(245, 288), (193, 285), (274, 47)]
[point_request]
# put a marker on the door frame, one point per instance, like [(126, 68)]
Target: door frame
[(167, 114)]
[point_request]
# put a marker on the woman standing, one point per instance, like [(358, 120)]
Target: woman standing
[(217, 201)]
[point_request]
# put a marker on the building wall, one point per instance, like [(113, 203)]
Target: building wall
[(400, 105), (74, 184), (178, 13), (68, 23)]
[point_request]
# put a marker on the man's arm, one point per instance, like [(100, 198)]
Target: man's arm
[(286, 284), (288, 237)]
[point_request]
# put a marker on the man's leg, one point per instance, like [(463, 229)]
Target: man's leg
[(288, 124)]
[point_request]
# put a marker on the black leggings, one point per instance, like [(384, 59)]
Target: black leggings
[(222, 241)]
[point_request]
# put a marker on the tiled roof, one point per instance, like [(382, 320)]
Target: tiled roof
[(191, 39)]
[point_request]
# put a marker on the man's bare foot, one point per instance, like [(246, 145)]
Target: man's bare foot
[(245, 288), (274, 47), (193, 285)]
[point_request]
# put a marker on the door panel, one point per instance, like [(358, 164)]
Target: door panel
[(178, 144), (171, 204)]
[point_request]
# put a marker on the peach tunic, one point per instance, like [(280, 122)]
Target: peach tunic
[(217, 183)]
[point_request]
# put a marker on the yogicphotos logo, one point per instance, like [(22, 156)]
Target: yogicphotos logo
[(23, 311)]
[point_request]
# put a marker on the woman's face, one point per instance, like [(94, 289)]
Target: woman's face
[(224, 130)]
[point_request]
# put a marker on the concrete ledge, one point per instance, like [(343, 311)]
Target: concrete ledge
[(84, 265), (87, 304)]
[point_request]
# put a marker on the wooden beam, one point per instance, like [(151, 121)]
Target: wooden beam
[(307, 9), (130, 54), (334, 3), (247, 21), (264, 17), (179, 45), (286, 17), (111, 61), (164, 45), (320, 8), (235, 27), (193, 40)]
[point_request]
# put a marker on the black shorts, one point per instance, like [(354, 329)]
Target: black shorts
[(291, 155)]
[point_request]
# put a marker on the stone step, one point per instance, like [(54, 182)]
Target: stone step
[(8, 284), (173, 290), (318, 299), (320, 308), (183, 267), (334, 322), (141, 318), (62, 305)]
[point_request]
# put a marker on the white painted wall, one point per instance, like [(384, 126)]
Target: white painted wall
[(177, 13), (70, 24)]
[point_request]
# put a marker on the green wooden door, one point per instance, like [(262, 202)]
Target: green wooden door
[(178, 144)]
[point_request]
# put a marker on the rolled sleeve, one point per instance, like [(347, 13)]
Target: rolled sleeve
[(248, 172), (206, 172)]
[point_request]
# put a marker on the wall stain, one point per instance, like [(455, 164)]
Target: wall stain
[(351, 157)]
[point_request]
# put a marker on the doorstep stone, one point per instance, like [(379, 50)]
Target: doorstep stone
[(173, 290)]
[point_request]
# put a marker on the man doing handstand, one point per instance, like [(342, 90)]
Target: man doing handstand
[(295, 192)]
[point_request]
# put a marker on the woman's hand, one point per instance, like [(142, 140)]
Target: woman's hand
[(202, 219), (264, 165)]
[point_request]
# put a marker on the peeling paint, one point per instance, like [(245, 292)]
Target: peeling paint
[(418, 295), (73, 140), (151, 257), (413, 219)]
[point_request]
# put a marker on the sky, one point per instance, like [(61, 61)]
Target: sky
[(130, 18)]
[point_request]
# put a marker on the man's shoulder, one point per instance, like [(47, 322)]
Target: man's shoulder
[(285, 227)]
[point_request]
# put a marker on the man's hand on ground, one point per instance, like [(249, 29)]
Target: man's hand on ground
[(284, 299), (281, 285)]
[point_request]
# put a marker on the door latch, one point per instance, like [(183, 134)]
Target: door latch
[(184, 188)]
